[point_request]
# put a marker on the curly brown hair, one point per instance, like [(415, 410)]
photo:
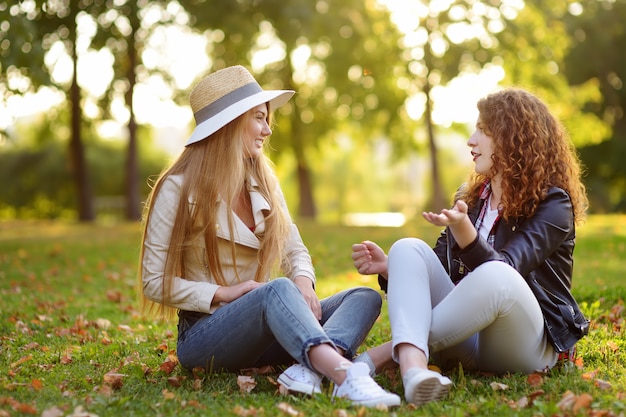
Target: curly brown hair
[(532, 152)]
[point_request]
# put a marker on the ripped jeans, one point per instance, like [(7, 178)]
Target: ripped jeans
[(273, 325)]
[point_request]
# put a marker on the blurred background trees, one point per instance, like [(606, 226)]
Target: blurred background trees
[(372, 127)]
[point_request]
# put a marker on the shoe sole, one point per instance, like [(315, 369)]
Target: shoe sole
[(376, 403), (296, 386), (430, 389)]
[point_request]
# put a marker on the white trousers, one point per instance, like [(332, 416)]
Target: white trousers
[(490, 321)]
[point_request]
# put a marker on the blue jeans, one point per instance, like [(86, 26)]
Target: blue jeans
[(273, 325)]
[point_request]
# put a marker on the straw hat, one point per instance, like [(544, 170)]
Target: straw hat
[(226, 94)]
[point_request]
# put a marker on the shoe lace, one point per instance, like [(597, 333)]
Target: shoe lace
[(366, 386), (308, 375), (363, 384)]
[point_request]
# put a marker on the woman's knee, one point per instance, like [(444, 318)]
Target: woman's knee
[(498, 277), (280, 287), (368, 297), (409, 244), (281, 284)]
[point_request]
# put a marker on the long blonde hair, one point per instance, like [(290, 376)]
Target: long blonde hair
[(212, 169), (532, 152)]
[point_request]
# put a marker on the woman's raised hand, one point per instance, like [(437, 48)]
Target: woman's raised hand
[(369, 258)]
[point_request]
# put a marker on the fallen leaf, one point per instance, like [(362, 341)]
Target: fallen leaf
[(176, 381), (522, 403), (31, 345), (53, 412), (579, 362), (590, 375), (245, 412), (133, 358), (434, 368), (170, 363), (114, 296), (66, 359), (567, 401), (125, 328), (20, 361), (288, 409), (246, 383), (498, 386), (25, 408), (193, 403), (80, 412), (114, 379), (197, 384), (103, 324), (168, 395), (36, 384), (283, 390), (582, 402), (602, 384), (534, 380), (535, 394)]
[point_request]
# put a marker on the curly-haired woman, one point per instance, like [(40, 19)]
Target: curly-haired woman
[(494, 293)]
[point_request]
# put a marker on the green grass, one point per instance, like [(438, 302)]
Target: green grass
[(72, 338)]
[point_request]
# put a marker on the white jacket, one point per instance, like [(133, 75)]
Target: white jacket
[(196, 290)]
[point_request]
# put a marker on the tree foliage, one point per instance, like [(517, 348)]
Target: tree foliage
[(342, 58), (352, 69), (597, 34)]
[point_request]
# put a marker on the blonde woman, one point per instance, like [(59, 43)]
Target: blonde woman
[(494, 293), (217, 229)]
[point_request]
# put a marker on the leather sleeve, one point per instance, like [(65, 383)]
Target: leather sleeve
[(528, 244)]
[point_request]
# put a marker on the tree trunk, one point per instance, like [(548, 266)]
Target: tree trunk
[(438, 201), (133, 211), (306, 208), (77, 151)]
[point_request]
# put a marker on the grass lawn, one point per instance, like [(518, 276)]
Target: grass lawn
[(73, 343)]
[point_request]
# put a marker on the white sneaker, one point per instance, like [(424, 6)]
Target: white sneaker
[(361, 389), (299, 378), (423, 385)]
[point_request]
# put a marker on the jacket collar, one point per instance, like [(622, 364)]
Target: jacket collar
[(242, 234)]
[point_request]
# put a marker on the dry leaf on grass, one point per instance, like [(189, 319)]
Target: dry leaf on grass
[(498, 386), (246, 383), (20, 361), (81, 412), (567, 401), (575, 403), (170, 363), (114, 379), (168, 395), (535, 380), (583, 402), (246, 412), (288, 409), (283, 390), (176, 381), (602, 384), (53, 412), (197, 384)]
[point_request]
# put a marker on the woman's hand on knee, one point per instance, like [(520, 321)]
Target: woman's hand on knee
[(232, 292), (305, 286)]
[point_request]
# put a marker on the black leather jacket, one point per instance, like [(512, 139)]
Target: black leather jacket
[(541, 249)]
